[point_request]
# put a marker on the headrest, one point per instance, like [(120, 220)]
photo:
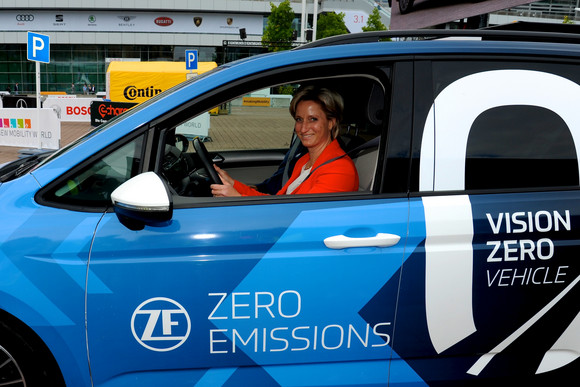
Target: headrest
[(376, 105)]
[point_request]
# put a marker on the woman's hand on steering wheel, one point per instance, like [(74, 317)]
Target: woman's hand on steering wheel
[(203, 154), (224, 176), (227, 187)]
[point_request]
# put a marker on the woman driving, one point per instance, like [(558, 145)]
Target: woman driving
[(325, 167)]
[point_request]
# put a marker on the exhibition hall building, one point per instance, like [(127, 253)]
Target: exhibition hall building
[(87, 35)]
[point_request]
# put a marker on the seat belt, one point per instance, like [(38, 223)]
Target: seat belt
[(369, 144), (291, 155)]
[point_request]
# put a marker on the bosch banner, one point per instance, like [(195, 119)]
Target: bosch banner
[(71, 109)]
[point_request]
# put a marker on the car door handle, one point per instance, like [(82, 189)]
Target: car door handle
[(344, 242)]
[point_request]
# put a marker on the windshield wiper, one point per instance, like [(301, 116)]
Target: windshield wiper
[(19, 167)]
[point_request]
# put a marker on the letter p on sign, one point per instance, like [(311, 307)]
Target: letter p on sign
[(191, 59), (38, 47)]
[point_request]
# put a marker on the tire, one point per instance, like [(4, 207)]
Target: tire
[(25, 361), (405, 6)]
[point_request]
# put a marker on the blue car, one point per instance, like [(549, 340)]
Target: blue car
[(454, 263)]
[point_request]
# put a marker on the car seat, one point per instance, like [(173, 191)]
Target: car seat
[(365, 157)]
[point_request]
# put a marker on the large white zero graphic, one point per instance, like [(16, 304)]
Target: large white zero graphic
[(443, 152), (160, 324), (455, 109)]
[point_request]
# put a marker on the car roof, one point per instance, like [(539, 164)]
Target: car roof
[(507, 33)]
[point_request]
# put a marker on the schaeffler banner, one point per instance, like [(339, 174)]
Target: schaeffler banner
[(414, 14), (103, 111)]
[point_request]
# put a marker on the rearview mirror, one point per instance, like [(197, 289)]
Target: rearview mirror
[(143, 200)]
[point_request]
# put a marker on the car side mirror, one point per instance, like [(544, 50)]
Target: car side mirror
[(143, 200)]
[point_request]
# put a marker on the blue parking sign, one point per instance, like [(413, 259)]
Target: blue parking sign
[(38, 47), (191, 59)]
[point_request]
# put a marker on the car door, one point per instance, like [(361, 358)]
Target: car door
[(246, 292), (255, 290), (496, 196)]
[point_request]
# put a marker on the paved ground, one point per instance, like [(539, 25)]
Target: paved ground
[(243, 128), (251, 127)]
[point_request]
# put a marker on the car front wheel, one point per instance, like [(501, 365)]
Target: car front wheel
[(25, 362)]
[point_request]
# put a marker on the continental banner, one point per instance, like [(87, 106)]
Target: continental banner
[(138, 81)]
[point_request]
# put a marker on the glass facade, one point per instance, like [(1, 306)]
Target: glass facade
[(74, 64), (81, 65)]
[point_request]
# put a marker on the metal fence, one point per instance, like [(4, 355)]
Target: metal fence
[(549, 9)]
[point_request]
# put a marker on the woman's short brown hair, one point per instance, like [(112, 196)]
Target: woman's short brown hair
[(330, 101)]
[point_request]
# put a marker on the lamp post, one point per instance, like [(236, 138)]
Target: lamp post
[(314, 20), (303, 22)]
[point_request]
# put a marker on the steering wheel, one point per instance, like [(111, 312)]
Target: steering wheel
[(203, 154)]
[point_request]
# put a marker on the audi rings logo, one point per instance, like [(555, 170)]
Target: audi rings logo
[(160, 324), (25, 18)]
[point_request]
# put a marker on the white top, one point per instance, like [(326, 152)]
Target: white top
[(299, 180)]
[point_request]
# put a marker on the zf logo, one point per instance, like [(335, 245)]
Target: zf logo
[(24, 18), (160, 324)]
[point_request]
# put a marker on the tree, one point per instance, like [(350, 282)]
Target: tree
[(567, 20), (278, 31), (374, 22), (330, 24)]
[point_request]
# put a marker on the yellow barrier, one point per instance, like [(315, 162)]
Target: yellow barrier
[(256, 101)]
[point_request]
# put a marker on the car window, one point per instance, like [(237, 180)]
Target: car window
[(249, 135), (520, 147), (92, 185), (501, 125), (259, 120)]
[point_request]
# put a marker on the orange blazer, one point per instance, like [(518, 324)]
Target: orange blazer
[(337, 176)]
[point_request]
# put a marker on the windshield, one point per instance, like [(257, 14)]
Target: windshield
[(52, 154), (133, 110), (24, 165)]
